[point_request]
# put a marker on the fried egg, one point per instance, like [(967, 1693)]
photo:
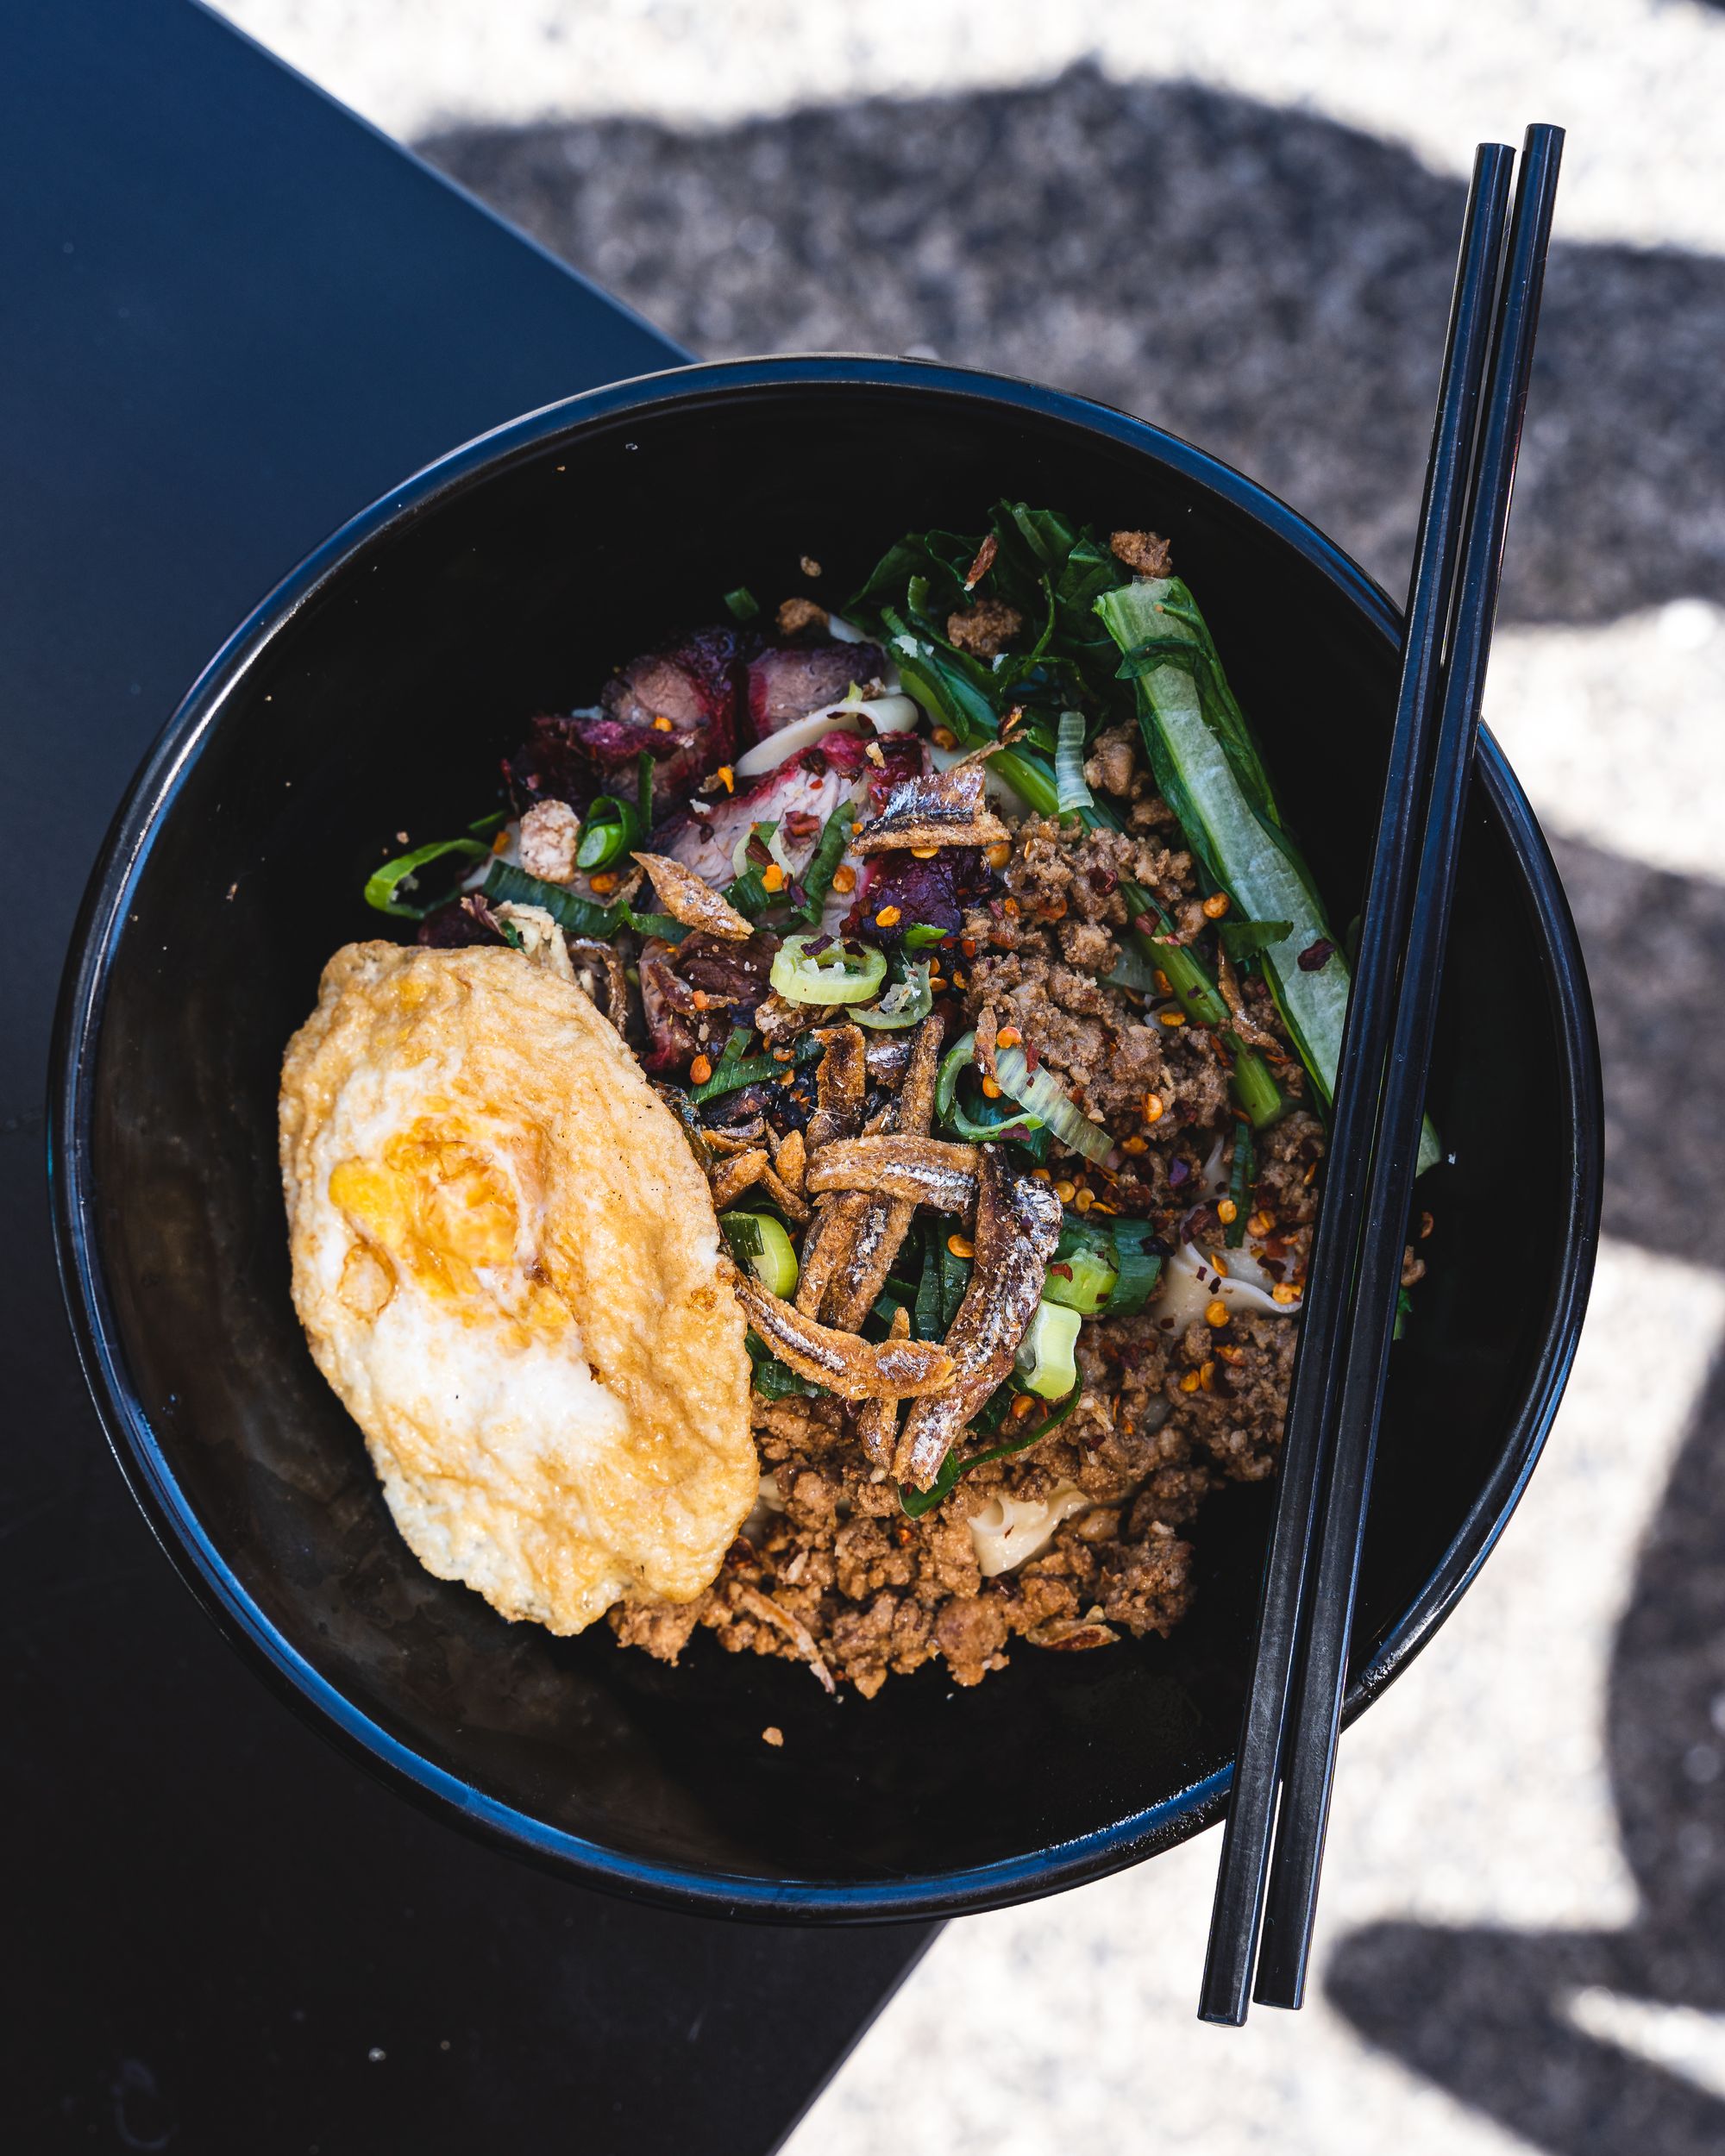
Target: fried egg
[(508, 1267)]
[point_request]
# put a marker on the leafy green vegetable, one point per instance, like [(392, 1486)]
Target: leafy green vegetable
[(1241, 1177), (580, 916), (954, 1278), (919, 935), (954, 689), (1140, 1268), (734, 1070), (940, 559), (773, 1379), (1116, 1245), (953, 1470), (1245, 939), (1208, 769), (816, 878), (382, 884)]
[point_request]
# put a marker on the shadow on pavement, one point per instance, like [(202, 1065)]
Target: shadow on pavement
[(1273, 285), (1485, 2013), (1265, 282), (1655, 950)]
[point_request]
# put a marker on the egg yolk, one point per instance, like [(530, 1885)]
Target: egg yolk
[(438, 1204)]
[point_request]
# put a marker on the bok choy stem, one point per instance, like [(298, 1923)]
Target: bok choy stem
[(1208, 767)]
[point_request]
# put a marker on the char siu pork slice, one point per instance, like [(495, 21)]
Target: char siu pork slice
[(679, 704), (787, 681), (799, 797)]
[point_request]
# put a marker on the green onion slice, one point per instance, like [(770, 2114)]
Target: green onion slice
[(907, 1003), (816, 878), (759, 1241), (579, 916), (1044, 1360), (742, 604), (1086, 1282), (843, 972), (734, 1070), (1241, 1177), (950, 1111), (382, 884), (1070, 789), (609, 828), (1043, 1096)]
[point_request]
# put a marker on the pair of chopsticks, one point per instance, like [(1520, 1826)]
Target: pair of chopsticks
[(1293, 1712)]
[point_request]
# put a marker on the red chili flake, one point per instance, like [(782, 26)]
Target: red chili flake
[(757, 851), (1032, 1056), (800, 824), (821, 943), (1315, 957), (1062, 1272)]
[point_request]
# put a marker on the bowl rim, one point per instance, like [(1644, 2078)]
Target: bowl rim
[(101, 925)]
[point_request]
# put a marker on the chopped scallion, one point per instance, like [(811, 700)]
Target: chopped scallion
[(382, 884)]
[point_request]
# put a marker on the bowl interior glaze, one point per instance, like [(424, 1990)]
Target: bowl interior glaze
[(375, 693)]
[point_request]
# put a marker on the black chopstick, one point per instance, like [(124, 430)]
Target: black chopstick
[(1245, 1848), (1309, 1764)]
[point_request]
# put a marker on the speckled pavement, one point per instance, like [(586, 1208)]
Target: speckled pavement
[(1241, 225)]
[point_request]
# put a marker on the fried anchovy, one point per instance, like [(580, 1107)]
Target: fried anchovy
[(888, 1055), (1018, 1226), (840, 1080), (689, 899), (738, 1174), (791, 1160), (946, 810), (877, 1420), (882, 1230), (826, 1246), (928, 1171), (589, 956), (844, 1362)]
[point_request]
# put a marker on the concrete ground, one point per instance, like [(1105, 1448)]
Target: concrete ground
[(1242, 227)]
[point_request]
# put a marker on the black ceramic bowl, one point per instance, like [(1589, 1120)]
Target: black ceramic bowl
[(375, 691)]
